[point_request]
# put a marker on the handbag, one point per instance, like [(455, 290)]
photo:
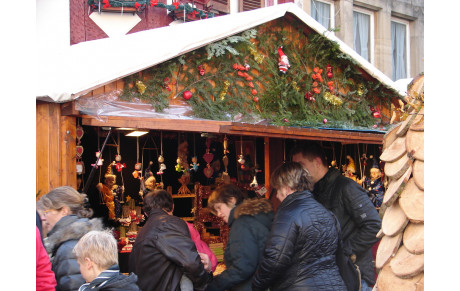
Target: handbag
[(349, 271)]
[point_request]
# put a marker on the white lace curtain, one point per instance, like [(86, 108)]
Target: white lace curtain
[(361, 24), (398, 45)]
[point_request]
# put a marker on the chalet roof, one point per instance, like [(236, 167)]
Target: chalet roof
[(68, 73)]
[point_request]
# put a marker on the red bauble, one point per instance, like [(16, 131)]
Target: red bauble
[(376, 114), (255, 99), (329, 75), (187, 95), (324, 120)]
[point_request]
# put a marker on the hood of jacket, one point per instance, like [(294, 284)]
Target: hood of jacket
[(261, 209), (70, 227)]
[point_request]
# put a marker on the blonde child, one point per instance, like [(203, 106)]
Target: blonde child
[(97, 256)]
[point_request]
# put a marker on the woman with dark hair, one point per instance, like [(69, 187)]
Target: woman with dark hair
[(65, 216), (300, 253), (249, 222)]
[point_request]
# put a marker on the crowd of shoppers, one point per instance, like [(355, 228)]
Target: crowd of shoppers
[(292, 249)]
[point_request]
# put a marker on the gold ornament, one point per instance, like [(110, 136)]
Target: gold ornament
[(331, 98), (224, 90), (258, 57), (140, 87), (294, 84), (360, 90)]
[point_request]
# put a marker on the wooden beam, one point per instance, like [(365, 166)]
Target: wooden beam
[(211, 126), (303, 133)]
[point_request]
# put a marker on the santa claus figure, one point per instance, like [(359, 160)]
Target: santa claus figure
[(283, 61)]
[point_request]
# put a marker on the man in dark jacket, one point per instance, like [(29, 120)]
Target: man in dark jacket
[(359, 220), (164, 251)]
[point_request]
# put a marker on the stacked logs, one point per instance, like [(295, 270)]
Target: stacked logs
[(400, 255)]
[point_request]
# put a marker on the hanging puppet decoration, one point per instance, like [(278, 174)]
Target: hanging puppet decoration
[(283, 61), (208, 157), (100, 162), (183, 166), (373, 184), (119, 166), (349, 168), (194, 165), (111, 192)]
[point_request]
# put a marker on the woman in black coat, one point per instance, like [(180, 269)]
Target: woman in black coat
[(249, 222), (300, 251)]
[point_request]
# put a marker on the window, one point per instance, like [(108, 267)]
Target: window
[(323, 13), (363, 34), (400, 49)]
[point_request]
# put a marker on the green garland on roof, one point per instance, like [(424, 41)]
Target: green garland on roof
[(227, 91)]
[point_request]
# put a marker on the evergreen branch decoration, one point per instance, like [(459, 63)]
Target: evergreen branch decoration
[(238, 79)]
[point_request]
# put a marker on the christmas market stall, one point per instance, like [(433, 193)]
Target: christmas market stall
[(190, 106)]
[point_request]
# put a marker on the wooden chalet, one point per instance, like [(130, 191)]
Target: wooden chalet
[(215, 84)]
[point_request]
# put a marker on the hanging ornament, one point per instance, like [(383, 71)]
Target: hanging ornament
[(247, 66), (225, 158), (200, 68), (161, 160), (360, 90), (375, 112), (80, 167), (194, 164), (309, 96), (100, 161), (140, 87), (258, 57), (166, 84), (79, 151), (324, 120), (208, 157), (208, 171), (283, 61), (178, 166), (137, 171), (332, 99), (187, 95), (224, 90), (329, 71)]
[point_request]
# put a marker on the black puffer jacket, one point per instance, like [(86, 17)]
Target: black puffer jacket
[(300, 251), (249, 224), (359, 220), (60, 243), (163, 252)]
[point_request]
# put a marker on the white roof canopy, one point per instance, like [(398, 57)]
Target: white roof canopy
[(66, 74)]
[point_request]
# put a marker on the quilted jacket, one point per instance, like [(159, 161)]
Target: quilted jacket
[(300, 251), (359, 220)]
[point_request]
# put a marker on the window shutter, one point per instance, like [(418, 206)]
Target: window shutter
[(220, 5), (246, 5)]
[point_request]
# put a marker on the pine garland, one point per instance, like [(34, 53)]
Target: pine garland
[(241, 81)]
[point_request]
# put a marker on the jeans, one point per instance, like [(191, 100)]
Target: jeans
[(365, 286)]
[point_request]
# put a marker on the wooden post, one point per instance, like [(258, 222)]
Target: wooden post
[(55, 148)]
